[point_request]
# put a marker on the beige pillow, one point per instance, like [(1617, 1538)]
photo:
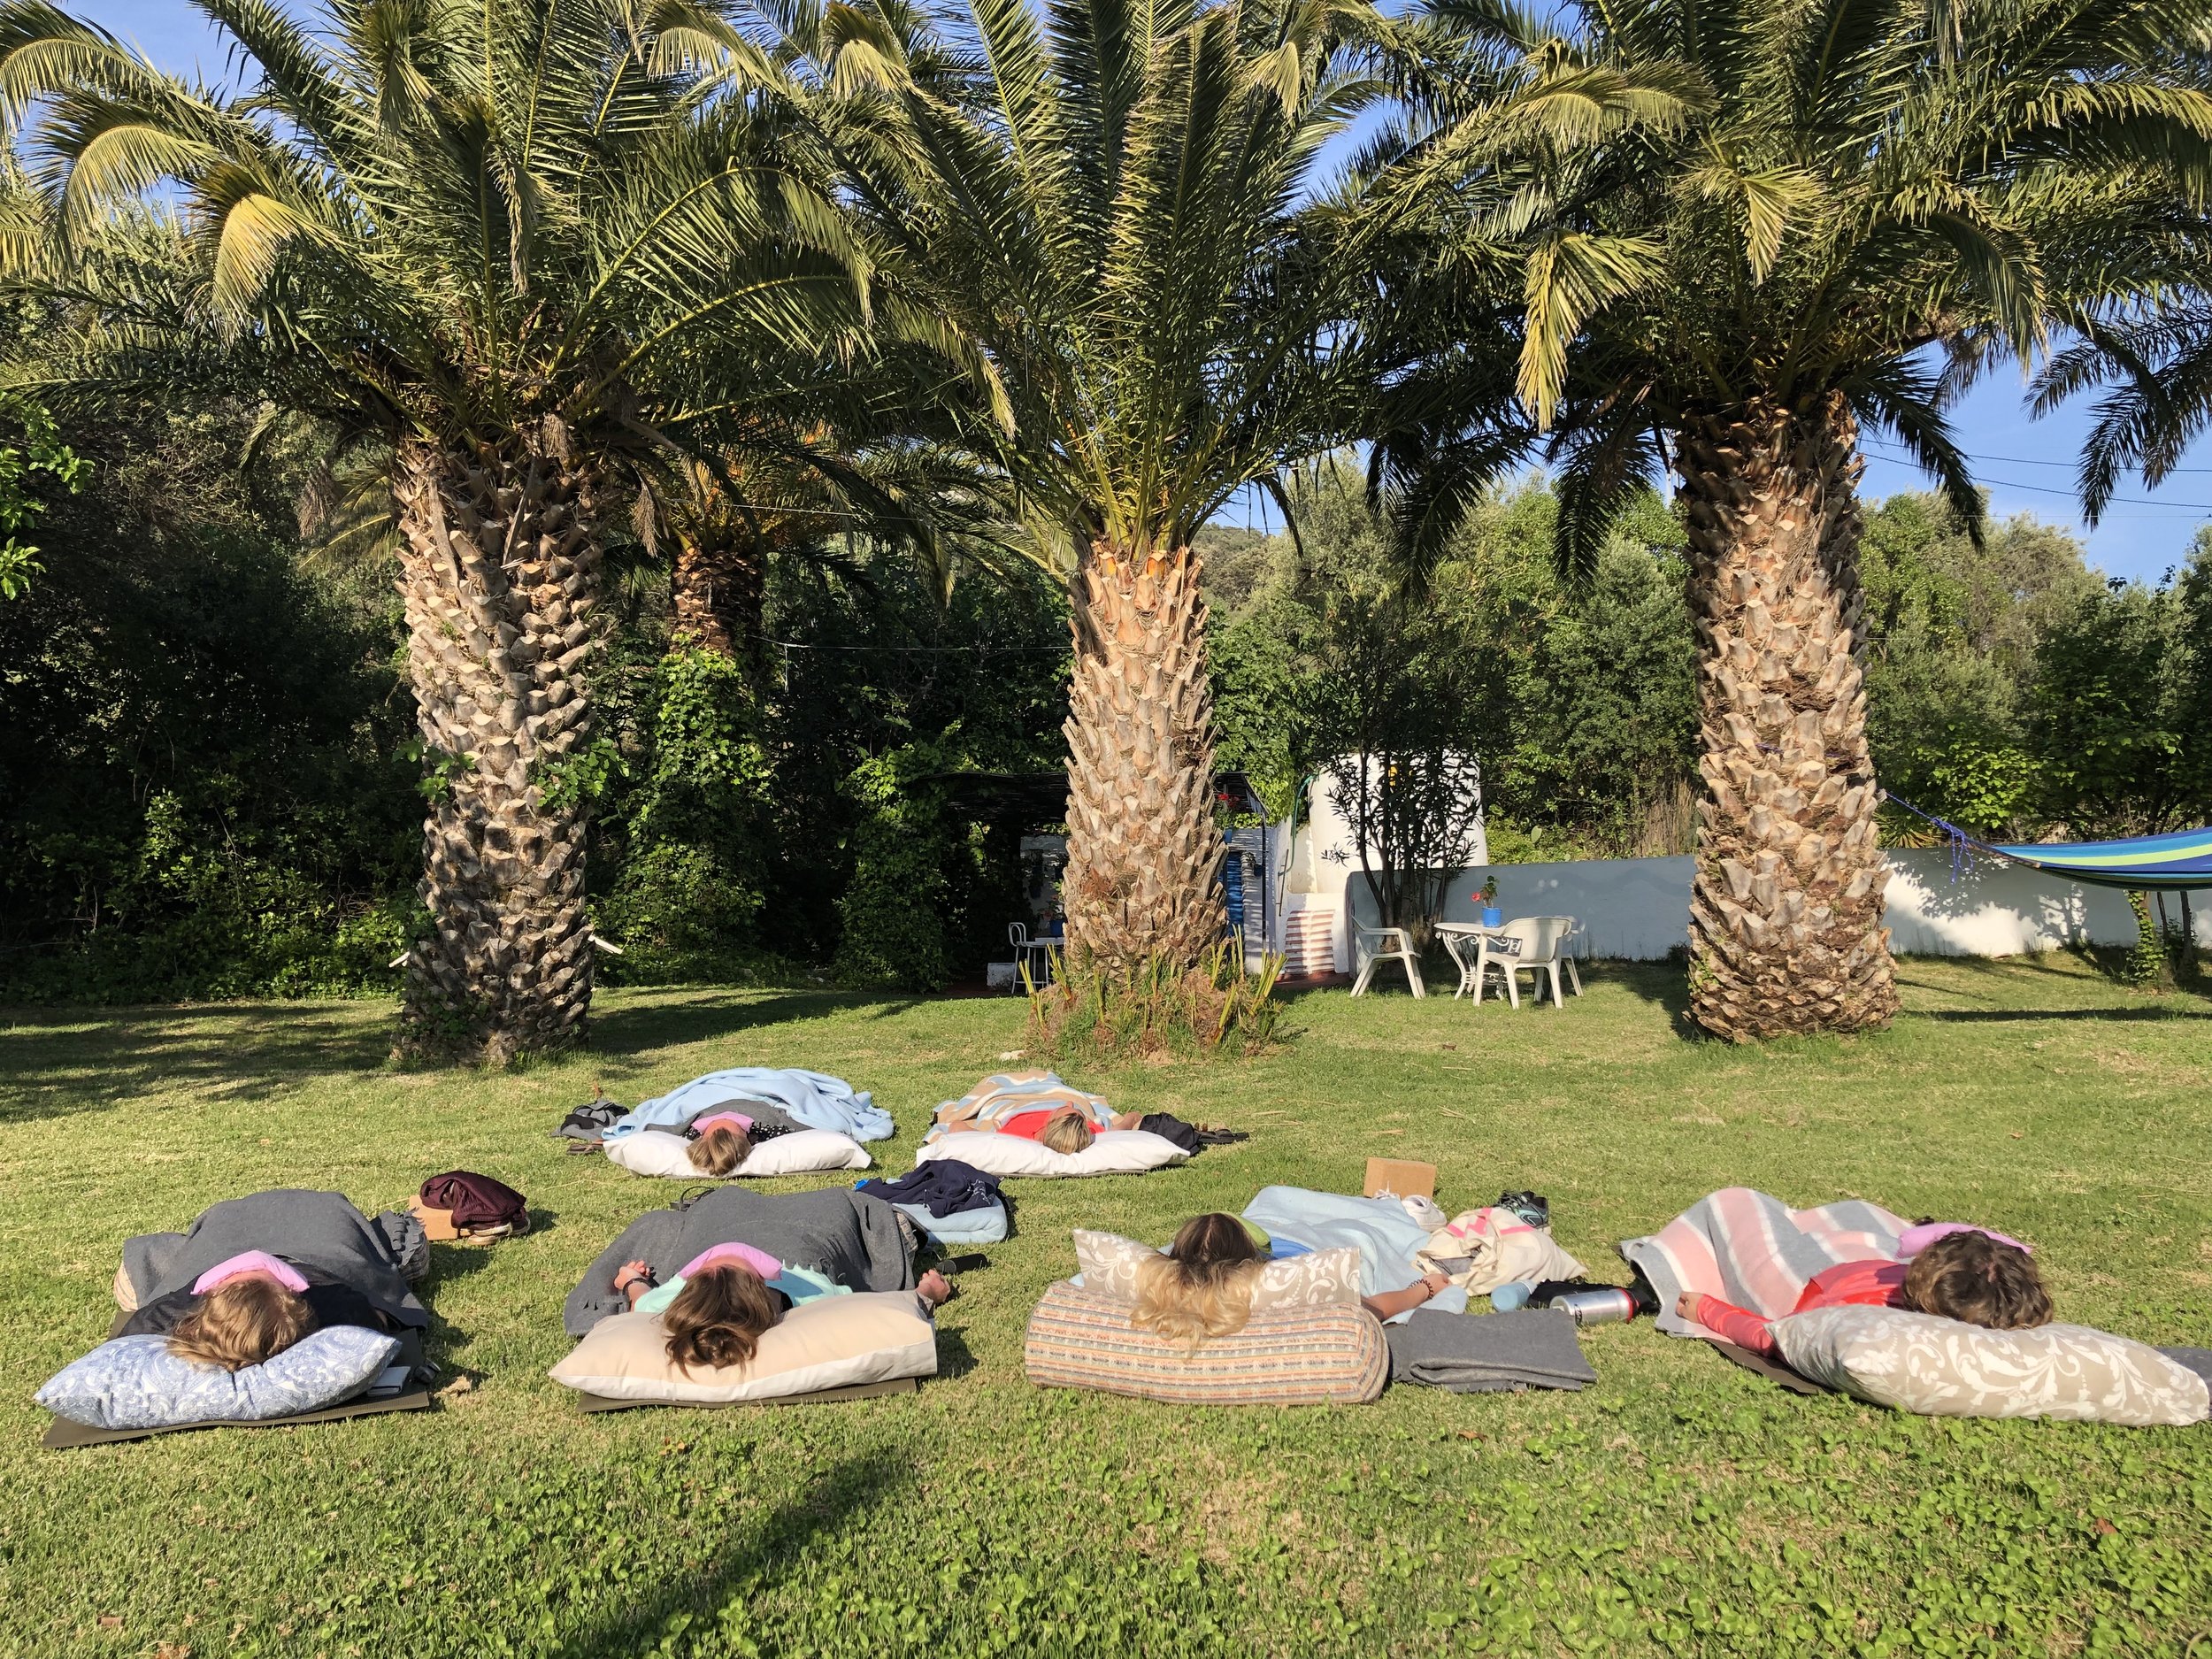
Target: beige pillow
[(1320, 1279), (831, 1342), (1946, 1368), (1285, 1356)]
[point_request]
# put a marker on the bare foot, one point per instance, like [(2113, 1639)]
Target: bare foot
[(934, 1288)]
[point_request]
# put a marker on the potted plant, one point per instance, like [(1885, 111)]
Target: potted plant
[(1492, 916)]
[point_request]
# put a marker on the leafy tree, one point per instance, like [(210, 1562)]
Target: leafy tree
[(480, 235), (39, 451), (1741, 224)]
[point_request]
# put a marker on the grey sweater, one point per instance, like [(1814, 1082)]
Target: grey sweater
[(321, 1233), (847, 1236)]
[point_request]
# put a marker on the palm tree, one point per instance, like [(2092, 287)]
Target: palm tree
[(486, 237), (1111, 200), (1740, 227)]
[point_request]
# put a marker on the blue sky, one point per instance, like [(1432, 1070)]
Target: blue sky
[(2026, 464)]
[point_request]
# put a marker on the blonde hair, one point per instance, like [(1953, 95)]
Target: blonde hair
[(1067, 1130), (242, 1321), (720, 1151), (1203, 1288)]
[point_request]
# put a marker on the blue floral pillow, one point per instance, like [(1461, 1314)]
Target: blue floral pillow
[(133, 1382)]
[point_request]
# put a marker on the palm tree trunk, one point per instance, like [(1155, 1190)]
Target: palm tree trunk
[(1786, 918), (499, 571), (1143, 847), (721, 594)]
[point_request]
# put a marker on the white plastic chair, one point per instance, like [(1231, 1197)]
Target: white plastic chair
[(1541, 939), (1036, 952), (1369, 944), (1568, 950)]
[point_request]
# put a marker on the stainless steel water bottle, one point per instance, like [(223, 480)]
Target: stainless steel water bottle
[(1607, 1306)]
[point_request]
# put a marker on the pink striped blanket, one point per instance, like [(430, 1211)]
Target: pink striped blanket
[(1752, 1249)]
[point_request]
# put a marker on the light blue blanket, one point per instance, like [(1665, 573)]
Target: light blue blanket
[(813, 1098), (1385, 1236)]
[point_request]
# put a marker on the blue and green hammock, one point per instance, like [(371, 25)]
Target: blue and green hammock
[(2145, 863)]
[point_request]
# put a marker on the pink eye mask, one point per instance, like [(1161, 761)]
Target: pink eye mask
[(1912, 1240), (723, 1254), (249, 1262), (723, 1120)]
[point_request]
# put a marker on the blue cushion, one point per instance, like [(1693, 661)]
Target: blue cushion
[(986, 1225), (135, 1382)]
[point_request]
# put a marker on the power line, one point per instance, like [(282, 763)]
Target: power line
[(2116, 500), (2022, 460)]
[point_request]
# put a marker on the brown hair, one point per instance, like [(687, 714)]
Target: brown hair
[(1970, 1276), (717, 1316), (1202, 1287), (1067, 1129), (720, 1151), (242, 1321)]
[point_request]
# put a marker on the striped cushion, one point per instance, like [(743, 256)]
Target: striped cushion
[(1284, 1356)]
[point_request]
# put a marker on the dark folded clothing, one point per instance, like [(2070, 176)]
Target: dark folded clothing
[(1169, 1127), (1487, 1353), (944, 1187), (589, 1122)]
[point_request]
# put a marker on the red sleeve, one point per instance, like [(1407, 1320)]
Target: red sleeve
[(1029, 1125), (1736, 1324)]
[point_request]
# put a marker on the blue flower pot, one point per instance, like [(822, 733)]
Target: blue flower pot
[(1492, 916)]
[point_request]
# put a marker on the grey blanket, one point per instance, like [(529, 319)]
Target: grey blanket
[(848, 1236), (321, 1233), (1488, 1353)]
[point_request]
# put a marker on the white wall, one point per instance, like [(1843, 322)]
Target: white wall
[(1638, 909)]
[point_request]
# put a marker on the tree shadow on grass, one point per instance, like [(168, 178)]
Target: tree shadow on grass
[(633, 1028), (2030, 1016), (781, 1547), (238, 1051)]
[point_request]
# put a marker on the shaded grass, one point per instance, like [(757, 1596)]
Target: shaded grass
[(1678, 1506)]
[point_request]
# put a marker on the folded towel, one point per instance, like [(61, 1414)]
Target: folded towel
[(1488, 1353)]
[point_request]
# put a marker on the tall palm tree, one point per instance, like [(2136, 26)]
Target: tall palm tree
[(1112, 200), (487, 235), (1741, 227)]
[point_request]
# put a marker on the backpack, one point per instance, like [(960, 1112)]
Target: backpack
[(474, 1203)]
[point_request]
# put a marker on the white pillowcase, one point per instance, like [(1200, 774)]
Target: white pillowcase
[(1112, 1152), (830, 1343), (1916, 1362), (650, 1152), (1319, 1278)]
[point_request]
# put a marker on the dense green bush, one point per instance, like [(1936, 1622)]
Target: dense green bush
[(202, 790)]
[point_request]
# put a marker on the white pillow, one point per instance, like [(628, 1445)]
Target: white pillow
[(135, 1382), (1319, 1278), (1112, 1152), (1916, 1362), (650, 1152), (829, 1342)]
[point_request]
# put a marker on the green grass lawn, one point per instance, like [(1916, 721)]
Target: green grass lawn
[(1679, 1505)]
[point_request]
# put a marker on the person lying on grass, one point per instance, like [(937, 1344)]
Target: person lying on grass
[(1069, 1129), (726, 1298), (1201, 1288), (256, 1274), (1964, 1273)]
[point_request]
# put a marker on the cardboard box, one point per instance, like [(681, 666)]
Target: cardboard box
[(437, 1225), (1401, 1178)]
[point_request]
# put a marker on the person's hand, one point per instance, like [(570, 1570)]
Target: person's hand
[(1436, 1284), (631, 1273), (1687, 1305)]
